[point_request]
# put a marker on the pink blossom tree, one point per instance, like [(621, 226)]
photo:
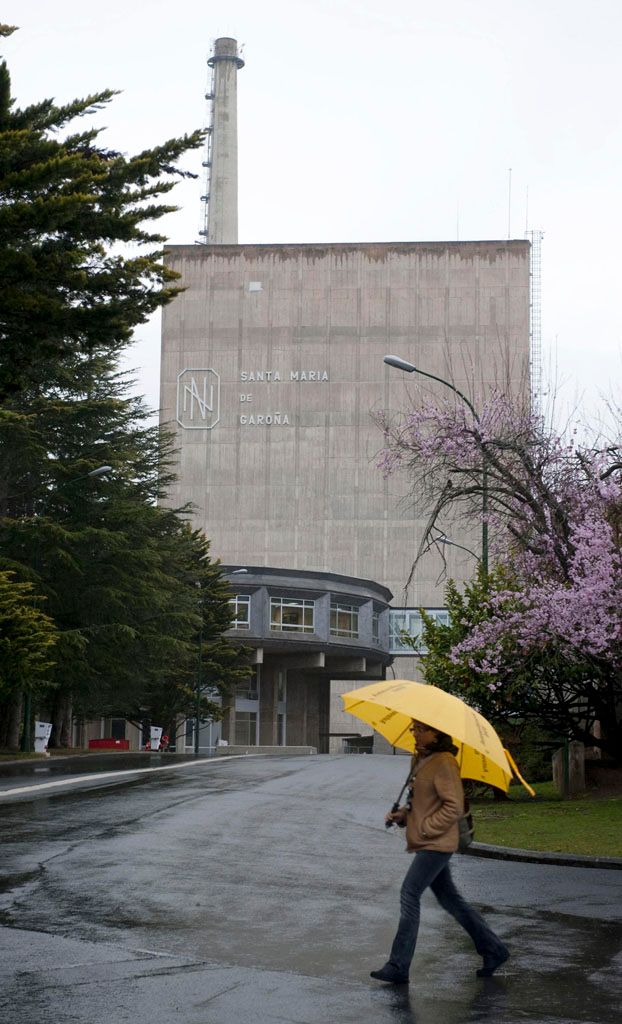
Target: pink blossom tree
[(555, 509)]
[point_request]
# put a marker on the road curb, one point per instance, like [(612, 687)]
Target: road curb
[(568, 860)]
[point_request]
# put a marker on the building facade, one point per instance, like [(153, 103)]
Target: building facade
[(304, 629), (272, 371)]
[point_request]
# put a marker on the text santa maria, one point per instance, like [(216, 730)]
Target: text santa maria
[(274, 375), (252, 418)]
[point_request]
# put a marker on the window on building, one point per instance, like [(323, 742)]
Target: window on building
[(407, 622), (248, 689), (246, 728), (375, 626), (292, 615), (344, 619), (280, 727), (241, 611)]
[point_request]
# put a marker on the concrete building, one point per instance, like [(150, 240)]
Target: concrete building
[(304, 629), (272, 370)]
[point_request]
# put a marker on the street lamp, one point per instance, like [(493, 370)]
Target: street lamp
[(26, 745), (403, 364), (100, 471), (445, 541)]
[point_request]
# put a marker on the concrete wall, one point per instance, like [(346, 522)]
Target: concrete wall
[(282, 470)]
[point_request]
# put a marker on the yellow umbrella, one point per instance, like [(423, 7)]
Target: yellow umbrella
[(390, 707)]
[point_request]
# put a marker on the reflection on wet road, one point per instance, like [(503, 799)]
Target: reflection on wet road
[(28, 778), (66, 766), (265, 891)]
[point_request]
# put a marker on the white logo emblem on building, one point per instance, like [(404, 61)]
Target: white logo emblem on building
[(198, 399)]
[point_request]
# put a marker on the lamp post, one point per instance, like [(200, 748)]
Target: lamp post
[(403, 364), (100, 471), (444, 540), (26, 744)]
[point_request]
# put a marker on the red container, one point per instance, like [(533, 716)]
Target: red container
[(109, 744)]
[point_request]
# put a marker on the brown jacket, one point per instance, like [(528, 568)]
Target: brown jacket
[(437, 804)]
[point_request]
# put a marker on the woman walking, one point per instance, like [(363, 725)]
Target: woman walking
[(431, 821)]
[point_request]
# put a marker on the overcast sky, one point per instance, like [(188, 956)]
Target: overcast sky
[(363, 121)]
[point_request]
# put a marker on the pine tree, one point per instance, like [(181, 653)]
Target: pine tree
[(131, 590), (27, 639), (130, 586), (65, 203)]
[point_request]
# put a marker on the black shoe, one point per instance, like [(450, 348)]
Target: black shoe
[(492, 961), (389, 974)]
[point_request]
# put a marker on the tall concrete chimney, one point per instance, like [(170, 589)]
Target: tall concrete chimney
[(222, 216)]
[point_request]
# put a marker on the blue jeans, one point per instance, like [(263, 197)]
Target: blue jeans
[(430, 868)]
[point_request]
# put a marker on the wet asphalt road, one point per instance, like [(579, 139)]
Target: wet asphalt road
[(262, 891)]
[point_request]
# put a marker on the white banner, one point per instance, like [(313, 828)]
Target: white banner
[(156, 736), (42, 736)]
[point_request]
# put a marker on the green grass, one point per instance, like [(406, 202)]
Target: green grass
[(588, 825)]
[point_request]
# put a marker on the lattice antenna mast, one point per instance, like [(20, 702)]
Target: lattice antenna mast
[(220, 196), (535, 326)]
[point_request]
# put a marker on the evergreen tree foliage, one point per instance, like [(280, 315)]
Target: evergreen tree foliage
[(131, 588), (466, 607), (27, 638), (65, 203), (137, 607)]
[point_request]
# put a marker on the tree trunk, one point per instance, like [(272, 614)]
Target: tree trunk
[(65, 731), (54, 718), (609, 714), (4, 707), (61, 723), (13, 722)]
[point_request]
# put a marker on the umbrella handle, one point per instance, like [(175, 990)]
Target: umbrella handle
[(396, 807)]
